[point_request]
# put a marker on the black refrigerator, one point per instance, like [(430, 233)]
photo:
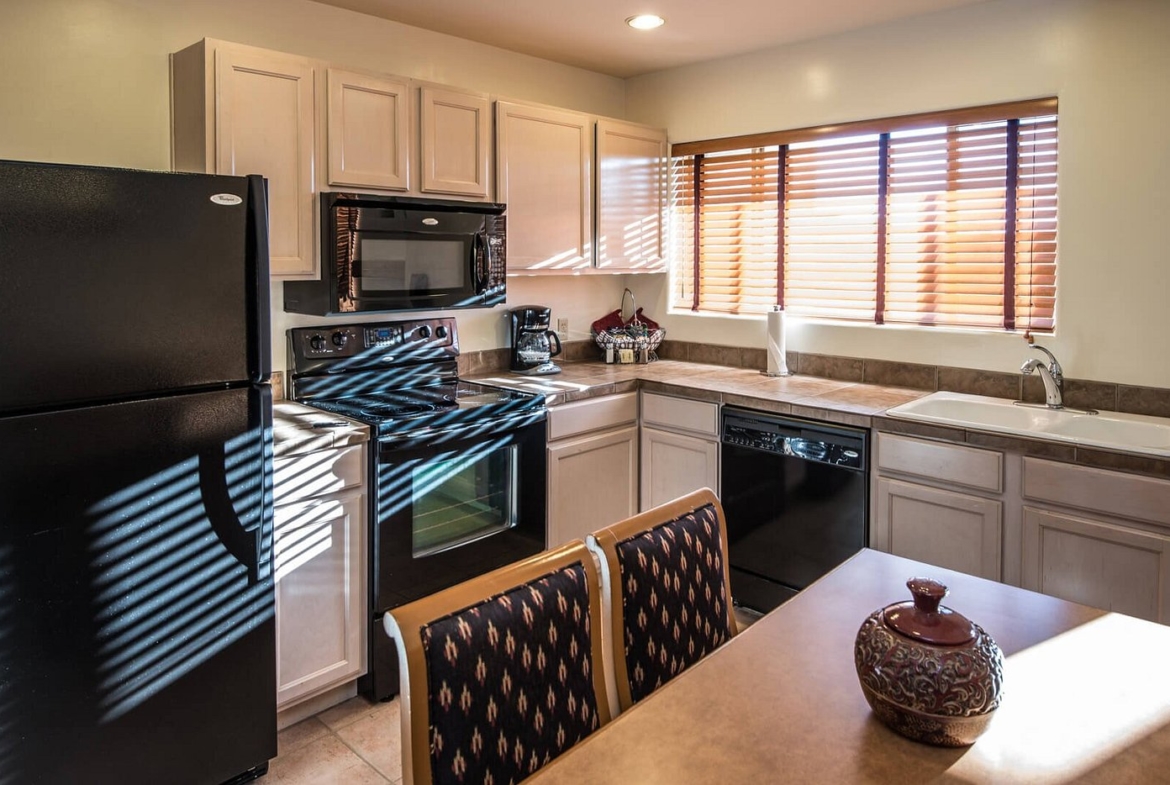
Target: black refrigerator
[(136, 602)]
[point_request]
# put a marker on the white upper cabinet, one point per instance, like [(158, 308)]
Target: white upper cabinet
[(455, 131), (369, 131), (631, 197), (545, 176), (240, 110)]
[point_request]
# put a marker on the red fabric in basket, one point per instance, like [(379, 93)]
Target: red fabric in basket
[(609, 321), (614, 320)]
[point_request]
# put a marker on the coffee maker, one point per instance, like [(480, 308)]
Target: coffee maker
[(533, 344)]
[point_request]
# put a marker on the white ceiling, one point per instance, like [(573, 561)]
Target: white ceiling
[(592, 34)]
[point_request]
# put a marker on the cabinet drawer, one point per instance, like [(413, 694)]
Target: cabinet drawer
[(680, 414), (949, 463), (1113, 493), (592, 415), (314, 474)]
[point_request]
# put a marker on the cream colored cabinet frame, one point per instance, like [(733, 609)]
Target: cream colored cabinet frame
[(455, 142), (949, 529), (631, 197), (321, 620), (592, 482), (544, 173), (369, 122), (674, 464), (1097, 563), (240, 110)]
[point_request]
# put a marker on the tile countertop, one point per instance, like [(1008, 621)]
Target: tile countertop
[(296, 429), (847, 403)]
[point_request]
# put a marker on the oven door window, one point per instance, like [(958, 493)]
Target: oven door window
[(394, 266), (458, 498)]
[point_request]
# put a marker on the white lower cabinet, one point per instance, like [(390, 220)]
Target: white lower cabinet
[(1098, 537), (959, 526), (1117, 568), (680, 447), (320, 569), (592, 466), (674, 464), (1094, 536), (954, 530)]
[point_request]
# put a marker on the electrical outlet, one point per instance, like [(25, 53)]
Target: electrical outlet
[(563, 326)]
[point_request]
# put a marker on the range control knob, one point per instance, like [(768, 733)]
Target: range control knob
[(424, 331), (317, 342), (441, 331), (340, 339)]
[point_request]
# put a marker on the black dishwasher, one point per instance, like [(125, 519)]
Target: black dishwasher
[(795, 494)]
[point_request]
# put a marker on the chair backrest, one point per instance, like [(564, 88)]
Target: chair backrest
[(502, 673), (668, 588)]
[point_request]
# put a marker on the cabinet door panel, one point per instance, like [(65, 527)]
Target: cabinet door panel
[(1097, 563), (264, 125), (952, 530), (631, 197), (456, 129), (369, 131), (592, 482), (544, 171), (674, 465), (320, 601)]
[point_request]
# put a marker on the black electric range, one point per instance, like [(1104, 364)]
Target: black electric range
[(457, 470)]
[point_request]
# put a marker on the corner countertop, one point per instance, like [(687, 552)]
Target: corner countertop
[(298, 429), (847, 403)]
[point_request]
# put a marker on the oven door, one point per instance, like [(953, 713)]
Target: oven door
[(450, 505)]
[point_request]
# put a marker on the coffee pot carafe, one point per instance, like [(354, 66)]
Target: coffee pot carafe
[(533, 343)]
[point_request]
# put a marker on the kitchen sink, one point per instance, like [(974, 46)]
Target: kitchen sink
[(1110, 430)]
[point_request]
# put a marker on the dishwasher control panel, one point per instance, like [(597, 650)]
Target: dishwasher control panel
[(837, 446)]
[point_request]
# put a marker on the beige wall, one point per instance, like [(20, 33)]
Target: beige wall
[(1109, 63), (86, 81)]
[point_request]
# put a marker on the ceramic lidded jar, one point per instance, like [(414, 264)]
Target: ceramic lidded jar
[(929, 673)]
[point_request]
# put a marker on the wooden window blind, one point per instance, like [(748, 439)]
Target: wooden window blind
[(937, 219)]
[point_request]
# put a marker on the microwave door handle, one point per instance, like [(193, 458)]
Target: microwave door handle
[(480, 252)]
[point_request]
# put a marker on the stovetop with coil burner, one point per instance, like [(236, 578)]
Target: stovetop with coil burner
[(394, 376)]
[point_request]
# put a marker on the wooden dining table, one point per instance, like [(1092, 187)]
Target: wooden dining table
[(1086, 698)]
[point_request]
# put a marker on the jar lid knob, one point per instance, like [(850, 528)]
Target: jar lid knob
[(927, 592), (925, 619)]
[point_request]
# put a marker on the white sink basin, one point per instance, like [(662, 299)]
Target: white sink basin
[(1110, 430)]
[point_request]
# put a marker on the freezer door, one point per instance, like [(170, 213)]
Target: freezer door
[(117, 283), (136, 603)]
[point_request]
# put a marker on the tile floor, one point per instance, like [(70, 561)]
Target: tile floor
[(353, 743)]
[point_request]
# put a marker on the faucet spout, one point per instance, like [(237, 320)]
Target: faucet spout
[(1051, 375)]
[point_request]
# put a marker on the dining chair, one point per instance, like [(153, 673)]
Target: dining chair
[(667, 590), (502, 673)]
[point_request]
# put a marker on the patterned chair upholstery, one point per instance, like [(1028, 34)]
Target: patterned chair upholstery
[(502, 673), (668, 589)]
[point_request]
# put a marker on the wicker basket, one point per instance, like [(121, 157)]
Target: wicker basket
[(634, 333)]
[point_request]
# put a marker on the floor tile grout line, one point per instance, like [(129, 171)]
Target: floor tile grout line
[(363, 758)]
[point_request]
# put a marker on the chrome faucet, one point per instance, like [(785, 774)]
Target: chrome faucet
[(1052, 376)]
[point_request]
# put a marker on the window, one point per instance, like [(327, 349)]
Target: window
[(938, 219)]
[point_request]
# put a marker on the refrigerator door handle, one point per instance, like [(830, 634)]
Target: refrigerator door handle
[(244, 543), (259, 308)]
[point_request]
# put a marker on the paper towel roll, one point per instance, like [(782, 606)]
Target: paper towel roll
[(777, 359)]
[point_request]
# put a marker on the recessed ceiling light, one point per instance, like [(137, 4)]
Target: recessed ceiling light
[(645, 21)]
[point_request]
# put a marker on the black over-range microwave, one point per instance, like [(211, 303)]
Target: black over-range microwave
[(394, 253)]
